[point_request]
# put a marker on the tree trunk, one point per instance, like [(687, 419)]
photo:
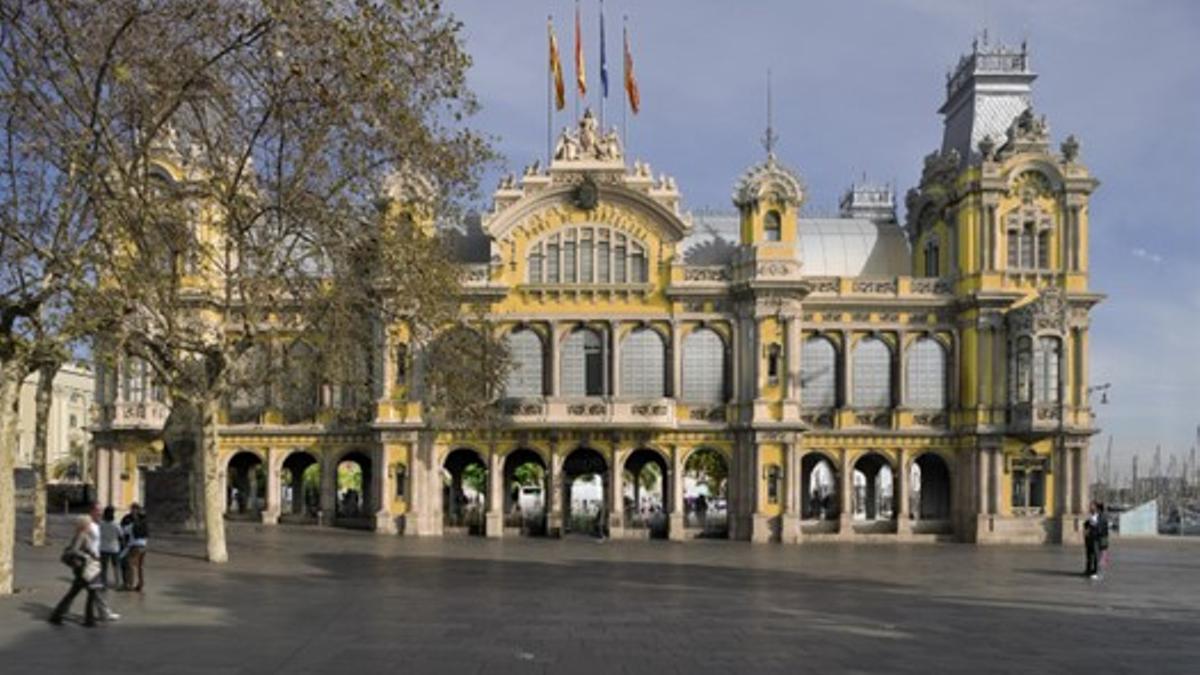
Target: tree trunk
[(210, 474), (42, 402), (10, 392)]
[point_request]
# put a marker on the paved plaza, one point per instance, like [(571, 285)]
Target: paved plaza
[(307, 600)]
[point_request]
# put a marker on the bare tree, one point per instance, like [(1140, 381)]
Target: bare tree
[(239, 158)]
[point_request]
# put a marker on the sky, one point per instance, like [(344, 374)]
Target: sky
[(857, 85)]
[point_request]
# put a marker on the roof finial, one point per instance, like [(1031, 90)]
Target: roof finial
[(770, 138)]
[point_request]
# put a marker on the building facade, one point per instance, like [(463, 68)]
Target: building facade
[(68, 434), (849, 378)]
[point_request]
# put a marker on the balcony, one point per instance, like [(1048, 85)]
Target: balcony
[(151, 415), (1035, 417)]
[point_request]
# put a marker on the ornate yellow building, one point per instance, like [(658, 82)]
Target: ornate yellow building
[(789, 378)]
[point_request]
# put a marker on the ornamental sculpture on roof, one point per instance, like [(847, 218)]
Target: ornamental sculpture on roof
[(588, 143)]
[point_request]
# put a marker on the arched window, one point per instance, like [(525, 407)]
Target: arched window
[(932, 258), (643, 365), (872, 374), (588, 254), (703, 367), (525, 350), (772, 226), (301, 390), (583, 364), (925, 371), (818, 373), (1046, 370)]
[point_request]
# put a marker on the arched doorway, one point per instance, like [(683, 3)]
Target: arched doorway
[(464, 492), (245, 485), (874, 489), (705, 493), (930, 492), (524, 492), (820, 501), (585, 485), (353, 504), (645, 492), (299, 488)]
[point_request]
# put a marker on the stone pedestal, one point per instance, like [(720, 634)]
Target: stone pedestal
[(904, 526), (493, 525), (675, 527), (384, 523), (270, 517), (761, 530), (554, 524), (790, 529), (845, 525)]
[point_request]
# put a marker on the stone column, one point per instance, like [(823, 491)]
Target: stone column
[(554, 489), (616, 510), (675, 528), (791, 373), (844, 375), (116, 493), (790, 526), (901, 397), (846, 492), (494, 520), (735, 373), (328, 511), (381, 492), (997, 475), (982, 467), (555, 374), (614, 332), (903, 524), (676, 360), (760, 523), (270, 515)]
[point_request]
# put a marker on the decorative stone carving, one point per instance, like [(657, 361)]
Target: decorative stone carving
[(877, 286), (889, 317), (588, 143), (772, 269), (873, 418), (1047, 313), (706, 273), (1070, 149), (649, 409), (930, 419), (524, 409), (861, 317), (823, 420), (1027, 133), (714, 414), (823, 284), (931, 286), (769, 180)]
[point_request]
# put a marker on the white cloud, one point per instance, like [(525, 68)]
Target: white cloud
[(1146, 255)]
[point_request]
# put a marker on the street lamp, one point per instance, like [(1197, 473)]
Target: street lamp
[(1103, 389)]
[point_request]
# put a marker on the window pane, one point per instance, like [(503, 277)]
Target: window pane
[(926, 374), (638, 272), (535, 265), (525, 378), (818, 373), (574, 363), (872, 374), (1024, 368), (1044, 250), (552, 263), (1045, 371), (585, 260), (1027, 247), (643, 365), (1014, 238), (619, 262), (1018, 488), (569, 262), (602, 262), (703, 367)]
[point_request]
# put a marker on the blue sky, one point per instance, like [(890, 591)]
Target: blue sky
[(857, 86)]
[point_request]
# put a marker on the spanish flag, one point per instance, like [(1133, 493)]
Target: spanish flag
[(560, 98), (580, 69), (631, 86)]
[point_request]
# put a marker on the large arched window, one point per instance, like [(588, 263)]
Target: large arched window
[(818, 373), (301, 391), (525, 350), (1046, 370), (643, 365), (925, 371), (588, 254), (583, 364), (872, 374), (703, 367)]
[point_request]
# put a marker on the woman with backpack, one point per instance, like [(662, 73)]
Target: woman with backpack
[(137, 532)]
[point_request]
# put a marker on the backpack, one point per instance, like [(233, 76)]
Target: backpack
[(140, 529)]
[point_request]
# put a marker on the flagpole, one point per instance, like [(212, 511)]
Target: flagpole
[(603, 91), (549, 97), (624, 85), (576, 54)]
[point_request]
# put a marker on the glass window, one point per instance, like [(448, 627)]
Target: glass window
[(569, 261), (772, 227), (1043, 250), (1045, 370), (926, 374), (818, 373), (703, 367), (643, 365), (774, 356), (872, 374), (931, 258), (602, 261), (638, 272), (1026, 246), (1024, 365), (583, 364), (525, 377), (585, 257), (535, 265), (1014, 243), (552, 262), (619, 261)]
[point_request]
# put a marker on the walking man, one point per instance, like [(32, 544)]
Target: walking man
[(83, 556)]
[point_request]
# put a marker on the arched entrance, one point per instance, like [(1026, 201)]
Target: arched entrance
[(705, 493), (930, 493), (353, 504), (524, 492), (585, 485), (645, 492), (874, 489), (299, 488), (464, 492), (245, 486), (820, 501)]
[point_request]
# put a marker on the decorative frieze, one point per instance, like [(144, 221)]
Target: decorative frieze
[(706, 273), (648, 409), (875, 286), (714, 414)]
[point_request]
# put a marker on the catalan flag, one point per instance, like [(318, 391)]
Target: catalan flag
[(631, 86), (580, 69), (560, 98)]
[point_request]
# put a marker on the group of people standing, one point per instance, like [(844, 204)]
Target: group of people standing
[(98, 545)]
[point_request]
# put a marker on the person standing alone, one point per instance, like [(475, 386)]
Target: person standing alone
[(110, 549), (137, 532)]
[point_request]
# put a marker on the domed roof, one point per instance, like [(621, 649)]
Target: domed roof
[(769, 179)]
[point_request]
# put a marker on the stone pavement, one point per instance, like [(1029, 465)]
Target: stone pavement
[(306, 600)]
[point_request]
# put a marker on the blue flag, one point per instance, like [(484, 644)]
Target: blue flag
[(603, 57)]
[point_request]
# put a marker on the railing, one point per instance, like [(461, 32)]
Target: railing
[(148, 414)]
